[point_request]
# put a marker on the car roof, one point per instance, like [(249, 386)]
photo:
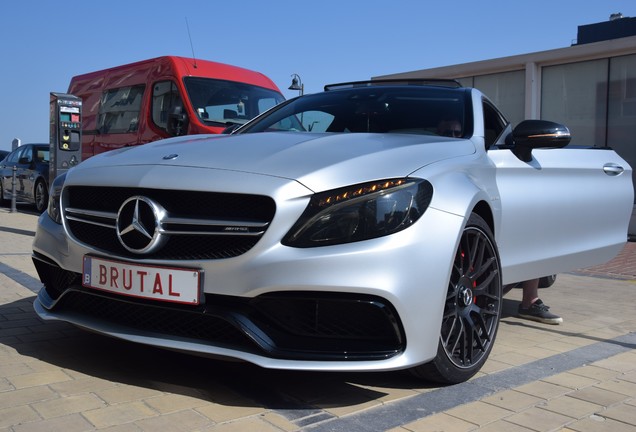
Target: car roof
[(449, 83), (38, 145)]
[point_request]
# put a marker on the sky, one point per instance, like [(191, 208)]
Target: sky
[(44, 43)]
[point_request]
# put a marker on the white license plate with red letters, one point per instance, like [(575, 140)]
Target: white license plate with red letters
[(166, 284)]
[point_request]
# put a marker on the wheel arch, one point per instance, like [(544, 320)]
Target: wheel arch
[(485, 212)]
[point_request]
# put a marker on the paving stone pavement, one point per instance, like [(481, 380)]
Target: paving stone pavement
[(578, 376)]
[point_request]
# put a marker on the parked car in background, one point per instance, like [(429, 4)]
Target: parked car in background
[(32, 175), (369, 227)]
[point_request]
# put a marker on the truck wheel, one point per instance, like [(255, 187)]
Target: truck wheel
[(472, 308)]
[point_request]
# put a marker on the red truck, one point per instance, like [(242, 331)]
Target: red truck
[(167, 96)]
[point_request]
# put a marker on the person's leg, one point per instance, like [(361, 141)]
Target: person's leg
[(533, 308), (530, 292)]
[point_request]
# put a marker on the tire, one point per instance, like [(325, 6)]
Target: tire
[(472, 309), (547, 281), (41, 196)]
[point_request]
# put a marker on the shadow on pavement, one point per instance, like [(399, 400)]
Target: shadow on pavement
[(212, 380), (509, 310)]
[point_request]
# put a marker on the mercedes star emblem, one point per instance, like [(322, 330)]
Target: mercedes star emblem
[(139, 225)]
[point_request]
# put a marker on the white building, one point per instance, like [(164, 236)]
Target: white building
[(590, 86)]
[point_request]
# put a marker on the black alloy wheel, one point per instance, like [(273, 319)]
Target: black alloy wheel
[(472, 308), (41, 196)]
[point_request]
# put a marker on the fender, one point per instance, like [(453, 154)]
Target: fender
[(458, 193)]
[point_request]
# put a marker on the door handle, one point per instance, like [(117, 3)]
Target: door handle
[(612, 169)]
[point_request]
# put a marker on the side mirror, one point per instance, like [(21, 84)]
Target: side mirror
[(532, 134), (177, 122)]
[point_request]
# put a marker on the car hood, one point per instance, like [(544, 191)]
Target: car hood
[(318, 161)]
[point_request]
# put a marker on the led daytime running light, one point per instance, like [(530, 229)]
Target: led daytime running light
[(360, 191)]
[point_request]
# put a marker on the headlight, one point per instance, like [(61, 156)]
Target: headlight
[(55, 191), (360, 212)]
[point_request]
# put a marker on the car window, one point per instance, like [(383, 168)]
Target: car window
[(494, 124), (119, 110), (428, 111), (15, 156), (26, 157), (165, 99), (42, 154)]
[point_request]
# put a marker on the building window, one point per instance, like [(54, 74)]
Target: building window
[(466, 82), (575, 94), (507, 90), (621, 108), (622, 98)]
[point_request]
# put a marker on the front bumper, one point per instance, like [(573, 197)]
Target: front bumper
[(373, 305), (310, 326)]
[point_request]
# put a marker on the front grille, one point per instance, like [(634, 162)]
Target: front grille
[(198, 226)]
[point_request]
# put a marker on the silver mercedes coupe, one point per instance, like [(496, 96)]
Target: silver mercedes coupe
[(369, 227)]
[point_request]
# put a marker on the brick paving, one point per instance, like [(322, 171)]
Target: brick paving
[(623, 266), (579, 376)]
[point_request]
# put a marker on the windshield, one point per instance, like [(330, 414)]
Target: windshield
[(218, 101), (412, 109)]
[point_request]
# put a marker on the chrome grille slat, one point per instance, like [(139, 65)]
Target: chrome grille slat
[(91, 213), (88, 221), (186, 221), (214, 233)]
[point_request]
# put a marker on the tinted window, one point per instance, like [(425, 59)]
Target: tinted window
[(166, 100), (13, 157), (415, 110), (494, 124), (27, 155), (119, 110), (42, 154)]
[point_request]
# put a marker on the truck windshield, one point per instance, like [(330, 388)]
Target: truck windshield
[(219, 101)]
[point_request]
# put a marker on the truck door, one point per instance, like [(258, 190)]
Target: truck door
[(168, 112)]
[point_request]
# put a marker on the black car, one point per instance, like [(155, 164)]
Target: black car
[(32, 175)]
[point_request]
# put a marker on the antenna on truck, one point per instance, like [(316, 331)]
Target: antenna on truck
[(194, 59)]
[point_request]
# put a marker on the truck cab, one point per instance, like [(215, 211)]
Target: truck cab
[(164, 97)]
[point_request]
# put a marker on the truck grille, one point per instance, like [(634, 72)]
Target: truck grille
[(197, 225)]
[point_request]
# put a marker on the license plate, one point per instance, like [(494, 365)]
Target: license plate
[(165, 284)]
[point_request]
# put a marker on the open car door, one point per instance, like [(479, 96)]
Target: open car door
[(562, 208)]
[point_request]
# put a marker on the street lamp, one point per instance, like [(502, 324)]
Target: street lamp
[(297, 84)]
